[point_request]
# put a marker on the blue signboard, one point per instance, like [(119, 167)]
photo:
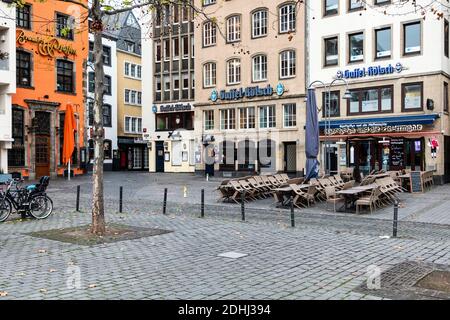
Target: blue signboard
[(249, 92), (370, 71)]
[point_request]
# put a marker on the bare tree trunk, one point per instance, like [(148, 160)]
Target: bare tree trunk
[(98, 210)]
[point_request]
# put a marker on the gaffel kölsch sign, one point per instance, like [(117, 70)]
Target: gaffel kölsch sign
[(249, 92), (370, 71)]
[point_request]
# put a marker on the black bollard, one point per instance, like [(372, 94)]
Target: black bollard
[(120, 199), (292, 212), (203, 204), (78, 198), (395, 225), (243, 205), (165, 201)]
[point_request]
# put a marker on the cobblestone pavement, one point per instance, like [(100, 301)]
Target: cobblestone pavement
[(324, 257)]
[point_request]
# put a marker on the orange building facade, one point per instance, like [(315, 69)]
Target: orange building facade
[(52, 49)]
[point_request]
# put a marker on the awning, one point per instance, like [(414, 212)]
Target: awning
[(423, 119)]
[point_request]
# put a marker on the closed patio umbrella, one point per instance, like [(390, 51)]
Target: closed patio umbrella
[(311, 136), (69, 140)]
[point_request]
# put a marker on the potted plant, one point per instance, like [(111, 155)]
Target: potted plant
[(4, 176)]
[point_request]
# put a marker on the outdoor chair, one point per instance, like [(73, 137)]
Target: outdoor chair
[(301, 197), (249, 190), (274, 181), (320, 195), (371, 201), (332, 198), (237, 191), (348, 185)]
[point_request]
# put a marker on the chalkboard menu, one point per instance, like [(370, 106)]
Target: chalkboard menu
[(397, 153), (416, 182)]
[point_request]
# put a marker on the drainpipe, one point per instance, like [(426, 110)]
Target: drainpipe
[(306, 47)]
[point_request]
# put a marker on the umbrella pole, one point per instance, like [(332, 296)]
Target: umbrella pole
[(68, 173)]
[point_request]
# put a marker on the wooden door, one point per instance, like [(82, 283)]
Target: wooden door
[(42, 156)]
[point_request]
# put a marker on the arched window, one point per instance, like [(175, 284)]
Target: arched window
[(209, 34), (234, 28), (259, 63), (209, 74), (233, 71), (259, 23), (287, 18), (287, 64)]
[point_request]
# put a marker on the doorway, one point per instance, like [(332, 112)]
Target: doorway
[(331, 155), (42, 143), (290, 157), (159, 148)]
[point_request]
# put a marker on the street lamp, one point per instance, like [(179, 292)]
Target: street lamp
[(347, 95)]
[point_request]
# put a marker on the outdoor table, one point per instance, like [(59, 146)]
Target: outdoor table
[(404, 178), (350, 195)]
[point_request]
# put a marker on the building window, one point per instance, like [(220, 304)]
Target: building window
[(130, 46), (107, 85), (23, 68), (259, 24), (355, 5), (133, 97), (107, 117), (287, 18), (331, 51), (133, 125), (412, 96), (356, 47), (209, 74), (208, 2), (333, 108), (267, 117), (63, 28), (228, 119), (166, 43), (185, 42), (208, 119), (445, 96), (383, 42), (412, 38), (64, 78), (107, 149), (23, 16), (158, 84), (209, 34), (126, 69), (259, 66), (158, 51), (234, 29), (91, 82), (16, 155), (176, 48), (371, 100), (247, 117), (446, 38), (287, 64), (381, 2), (233, 71), (331, 7), (290, 115), (107, 56)]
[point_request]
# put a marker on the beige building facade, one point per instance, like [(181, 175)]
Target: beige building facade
[(250, 88)]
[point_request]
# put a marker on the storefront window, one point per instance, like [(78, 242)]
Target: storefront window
[(209, 119), (371, 100), (107, 149), (173, 121), (228, 119), (267, 117), (247, 118), (412, 96), (16, 155)]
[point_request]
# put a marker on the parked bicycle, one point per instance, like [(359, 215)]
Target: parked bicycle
[(31, 200)]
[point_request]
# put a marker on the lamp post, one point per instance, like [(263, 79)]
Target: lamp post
[(347, 95)]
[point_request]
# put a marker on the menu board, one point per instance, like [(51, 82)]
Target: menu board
[(397, 153), (416, 181)]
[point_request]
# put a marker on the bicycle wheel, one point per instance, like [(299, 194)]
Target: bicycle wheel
[(40, 207), (5, 209)]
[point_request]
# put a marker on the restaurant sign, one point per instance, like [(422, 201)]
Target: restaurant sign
[(370, 71), (249, 92), (371, 128), (173, 107), (46, 47)]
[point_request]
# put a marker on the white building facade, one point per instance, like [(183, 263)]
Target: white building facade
[(7, 80), (396, 64), (109, 99)]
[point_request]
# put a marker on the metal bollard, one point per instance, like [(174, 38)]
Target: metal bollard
[(78, 198), (243, 205), (203, 204), (165, 201), (292, 212), (120, 199), (395, 225)]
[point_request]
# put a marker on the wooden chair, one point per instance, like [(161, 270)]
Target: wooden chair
[(371, 201), (331, 197), (300, 197), (348, 185), (320, 195), (250, 192)]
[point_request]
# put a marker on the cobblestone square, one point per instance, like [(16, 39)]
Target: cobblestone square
[(326, 256)]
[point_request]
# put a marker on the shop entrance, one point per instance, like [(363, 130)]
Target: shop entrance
[(159, 156), (290, 157), (42, 143), (331, 155)]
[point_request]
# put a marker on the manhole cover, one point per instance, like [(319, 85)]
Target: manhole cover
[(232, 255), (436, 280), (413, 281)]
